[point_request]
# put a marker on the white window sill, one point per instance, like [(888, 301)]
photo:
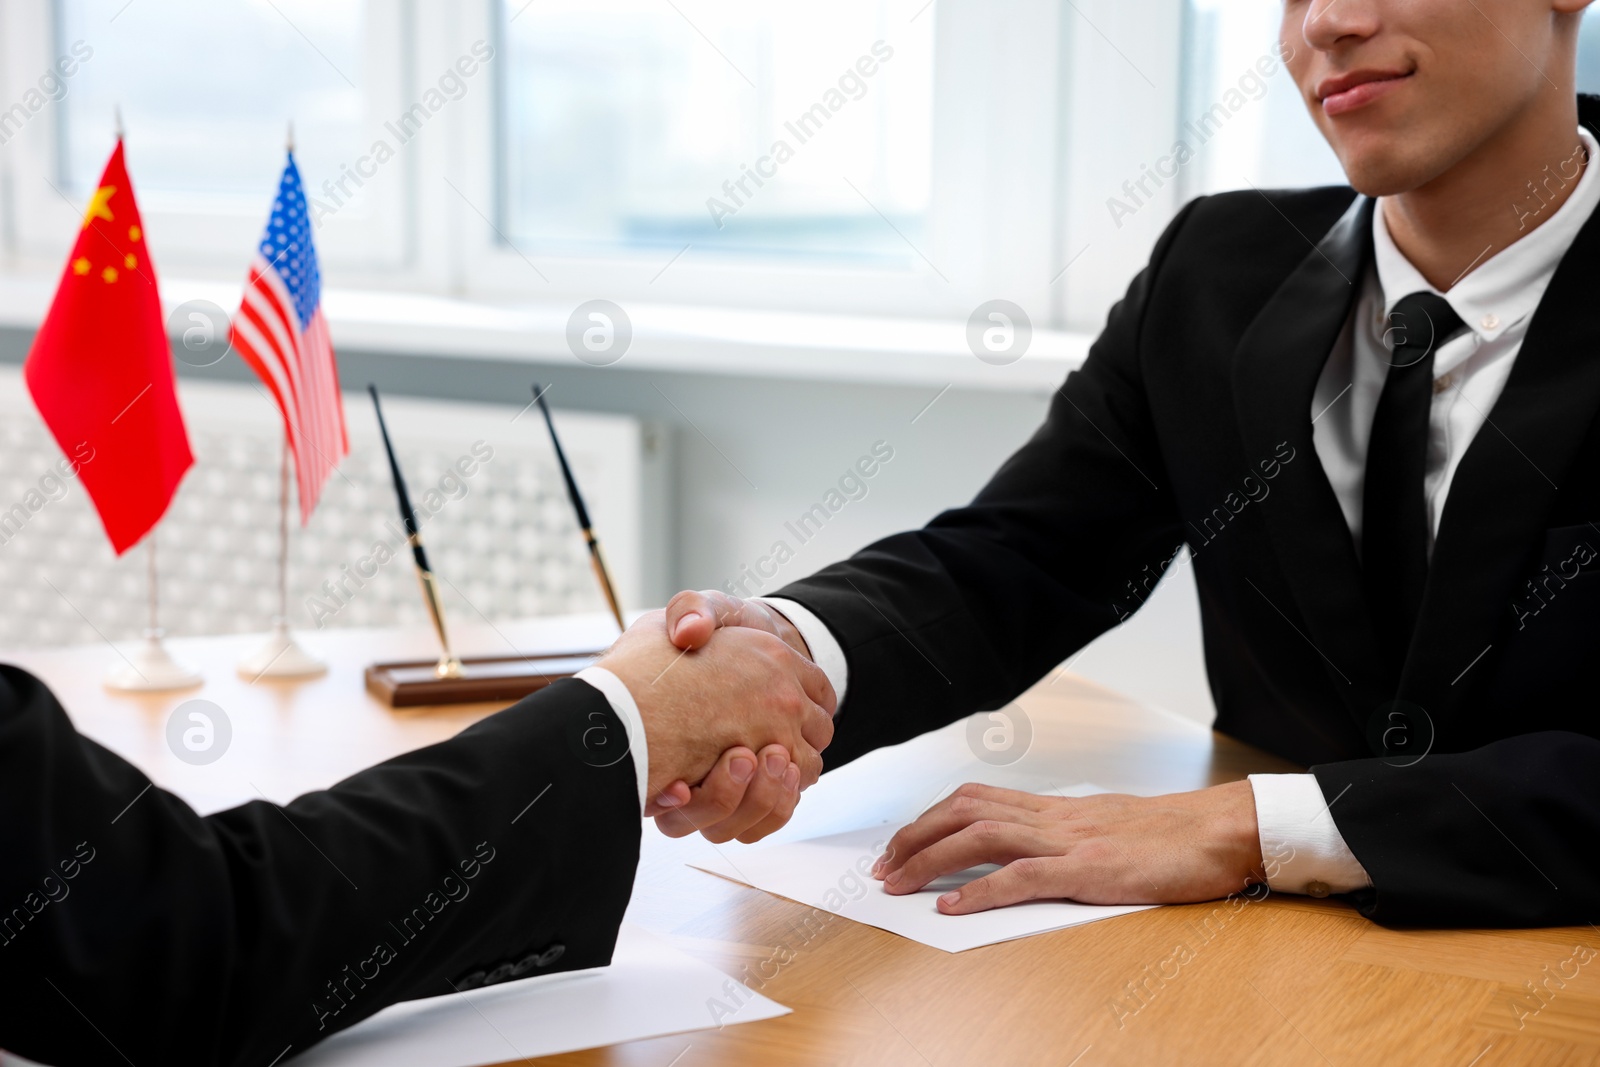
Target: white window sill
[(667, 338)]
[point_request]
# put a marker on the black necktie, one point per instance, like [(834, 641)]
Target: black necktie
[(1394, 523)]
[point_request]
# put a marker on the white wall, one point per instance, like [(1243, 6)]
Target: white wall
[(794, 440)]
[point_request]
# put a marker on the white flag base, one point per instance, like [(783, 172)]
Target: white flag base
[(280, 657), (151, 669)]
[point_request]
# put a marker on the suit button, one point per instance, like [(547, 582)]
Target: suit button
[(499, 974), (1317, 889), (471, 981), (538, 959)]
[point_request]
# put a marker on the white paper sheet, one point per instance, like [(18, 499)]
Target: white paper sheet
[(831, 873), (651, 989)]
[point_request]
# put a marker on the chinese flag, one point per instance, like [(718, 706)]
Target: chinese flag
[(100, 370)]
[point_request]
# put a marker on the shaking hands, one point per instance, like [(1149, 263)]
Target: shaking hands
[(749, 679), (731, 701)]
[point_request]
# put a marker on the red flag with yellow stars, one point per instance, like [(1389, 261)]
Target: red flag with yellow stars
[(100, 370)]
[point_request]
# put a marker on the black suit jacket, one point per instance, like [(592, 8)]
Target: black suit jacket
[(1190, 423), (132, 929)]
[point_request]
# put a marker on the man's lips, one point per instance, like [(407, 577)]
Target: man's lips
[(1348, 92)]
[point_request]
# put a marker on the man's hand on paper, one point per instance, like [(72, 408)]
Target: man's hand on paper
[(706, 711), (1106, 849)]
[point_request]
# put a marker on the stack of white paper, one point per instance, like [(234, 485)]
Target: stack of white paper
[(651, 989)]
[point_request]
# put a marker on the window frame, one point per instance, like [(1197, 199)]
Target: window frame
[(1008, 247), (1017, 208), (215, 238)]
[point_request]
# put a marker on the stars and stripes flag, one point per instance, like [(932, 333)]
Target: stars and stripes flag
[(280, 332)]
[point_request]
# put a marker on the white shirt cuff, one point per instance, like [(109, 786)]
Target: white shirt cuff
[(825, 650), (1302, 849), (627, 710)]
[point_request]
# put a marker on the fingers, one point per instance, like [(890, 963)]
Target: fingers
[(986, 841), (814, 680), (780, 815), (816, 727), (808, 759), (714, 799), (1026, 879), (747, 795), (769, 791), (1014, 797), (951, 815)]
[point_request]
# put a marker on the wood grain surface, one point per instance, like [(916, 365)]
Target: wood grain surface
[(1283, 980)]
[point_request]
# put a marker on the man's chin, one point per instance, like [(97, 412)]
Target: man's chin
[(1377, 172)]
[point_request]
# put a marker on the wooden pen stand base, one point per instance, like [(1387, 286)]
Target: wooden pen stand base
[(483, 679)]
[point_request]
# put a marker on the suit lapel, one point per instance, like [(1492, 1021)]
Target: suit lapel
[(1502, 494), (1276, 368)]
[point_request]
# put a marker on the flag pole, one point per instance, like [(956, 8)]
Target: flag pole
[(281, 656), (283, 532), (151, 668)]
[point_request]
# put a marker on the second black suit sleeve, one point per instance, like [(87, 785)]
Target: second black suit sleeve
[(132, 929), (969, 611), (1499, 836)]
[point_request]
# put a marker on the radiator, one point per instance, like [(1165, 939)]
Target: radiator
[(500, 532)]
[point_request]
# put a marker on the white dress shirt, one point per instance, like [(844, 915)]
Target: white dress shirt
[(627, 710), (1302, 848)]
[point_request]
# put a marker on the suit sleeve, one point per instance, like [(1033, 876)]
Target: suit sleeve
[(967, 612), (133, 929), (1499, 836)]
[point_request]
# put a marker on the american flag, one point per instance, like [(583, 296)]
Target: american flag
[(280, 332)]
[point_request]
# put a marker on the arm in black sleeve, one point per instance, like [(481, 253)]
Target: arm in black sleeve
[(132, 928), (969, 611), (1499, 836)]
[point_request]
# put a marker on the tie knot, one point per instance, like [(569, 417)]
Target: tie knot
[(1419, 324)]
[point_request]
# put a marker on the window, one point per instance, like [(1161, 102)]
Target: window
[(881, 157), (766, 130), (1589, 53), (1272, 141), (206, 91), (1268, 142), (889, 157)]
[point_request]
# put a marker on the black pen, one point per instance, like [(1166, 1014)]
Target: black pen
[(449, 665), (595, 558)]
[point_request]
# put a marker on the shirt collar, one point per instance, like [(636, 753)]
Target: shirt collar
[(1507, 287)]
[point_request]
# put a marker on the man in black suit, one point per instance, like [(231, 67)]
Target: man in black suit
[(1370, 413), (132, 929)]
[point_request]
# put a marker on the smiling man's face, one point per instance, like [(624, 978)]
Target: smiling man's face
[(1404, 90)]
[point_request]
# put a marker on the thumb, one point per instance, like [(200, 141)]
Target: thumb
[(691, 619), (673, 796)]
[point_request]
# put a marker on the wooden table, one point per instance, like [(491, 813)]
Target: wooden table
[(1282, 980)]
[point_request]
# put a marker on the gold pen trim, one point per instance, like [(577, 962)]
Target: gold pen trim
[(449, 666)]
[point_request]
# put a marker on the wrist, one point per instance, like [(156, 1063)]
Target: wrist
[(787, 631), (1239, 831)]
